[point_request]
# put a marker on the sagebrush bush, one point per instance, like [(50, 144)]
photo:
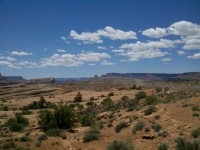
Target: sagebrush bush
[(107, 104), (8, 145), (42, 137), (16, 124), (110, 94), (120, 145), (149, 110), (182, 144), (91, 135), (140, 95), (163, 146), (120, 126), (150, 100), (156, 127), (139, 126), (195, 133), (78, 97)]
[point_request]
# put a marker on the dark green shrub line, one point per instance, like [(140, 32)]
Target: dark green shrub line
[(62, 117)]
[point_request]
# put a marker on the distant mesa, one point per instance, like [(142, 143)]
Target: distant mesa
[(156, 76)]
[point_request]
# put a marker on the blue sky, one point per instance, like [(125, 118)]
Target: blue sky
[(75, 38)]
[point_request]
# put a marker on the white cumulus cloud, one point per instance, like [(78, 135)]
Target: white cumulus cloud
[(61, 50), (166, 59), (101, 47), (181, 53), (155, 33), (195, 56), (107, 32), (106, 63), (20, 53)]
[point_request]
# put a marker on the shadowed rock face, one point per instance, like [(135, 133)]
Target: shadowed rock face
[(42, 80)]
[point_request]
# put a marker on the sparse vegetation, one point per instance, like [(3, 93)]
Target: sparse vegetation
[(120, 145), (107, 103), (182, 144), (156, 127), (91, 135), (120, 126), (140, 95), (163, 146), (62, 117), (151, 109), (139, 126), (195, 133), (150, 100), (110, 94), (78, 97)]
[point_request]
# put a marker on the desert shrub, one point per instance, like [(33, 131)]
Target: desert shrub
[(133, 87), (182, 144), (166, 89), (54, 132), (38, 144), (5, 108), (88, 117), (62, 117), (26, 111), (24, 139), (195, 133), (151, 100), (8, 145), (16, 124), (109, 125), (120, 145), (41, 104), (156, 117), (149, 110), (120, 126), (195, 108), (169, 98), (195, 114), (158, 89), (156, 127), (100, 125), (107, 103), (110, 94), (139, 126), (78, 97), (163, 146), (42, 137), (140, 95), (162, 133), (91, 135), (124, 98), (89, 103)]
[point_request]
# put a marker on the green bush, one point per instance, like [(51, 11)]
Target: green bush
[(24, 139), (5, 108), (195, 133), (110, 94), (107, 103), (182, 144), (156, 117), (42, 137), (140, 95), (120, 126), (26, 111), (78, 97), (149, 110), (156, 127), (150, 100), (8, 145), (91, 135), (163, 146), (139, 126), (119, 145), (16, 124), (62, 117)]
